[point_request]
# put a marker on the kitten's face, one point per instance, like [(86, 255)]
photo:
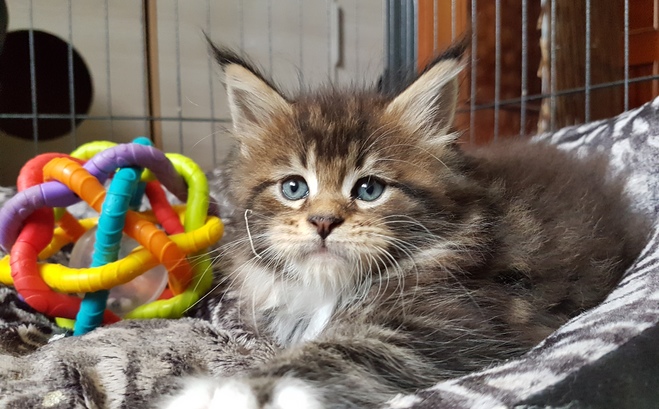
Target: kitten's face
[(336, 185)]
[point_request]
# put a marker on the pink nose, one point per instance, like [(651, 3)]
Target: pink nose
[(325, 224)]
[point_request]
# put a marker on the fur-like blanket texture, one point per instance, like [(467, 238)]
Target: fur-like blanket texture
[(607, 357)]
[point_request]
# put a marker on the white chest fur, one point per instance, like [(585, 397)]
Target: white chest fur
[(295, 310), (300, 322)]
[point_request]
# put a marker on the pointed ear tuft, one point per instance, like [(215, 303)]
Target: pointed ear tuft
[(428, 104), (253, 100)]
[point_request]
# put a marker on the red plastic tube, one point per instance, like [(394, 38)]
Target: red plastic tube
[(162, 209), (33, 238)]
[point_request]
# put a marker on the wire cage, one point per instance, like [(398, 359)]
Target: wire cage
[(73, 71)]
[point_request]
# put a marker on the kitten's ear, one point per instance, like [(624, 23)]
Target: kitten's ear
[(253, 100), (428, 104)]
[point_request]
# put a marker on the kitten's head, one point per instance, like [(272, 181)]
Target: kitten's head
[(340, 185)]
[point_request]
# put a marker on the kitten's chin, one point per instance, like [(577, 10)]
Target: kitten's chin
[(325, 271)]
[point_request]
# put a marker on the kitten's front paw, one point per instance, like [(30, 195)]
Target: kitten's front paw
[(238, 393)]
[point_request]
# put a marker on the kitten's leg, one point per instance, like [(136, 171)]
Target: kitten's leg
[(342, 372)]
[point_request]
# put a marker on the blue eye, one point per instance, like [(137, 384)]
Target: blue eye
[(294, 188), (368, 189)]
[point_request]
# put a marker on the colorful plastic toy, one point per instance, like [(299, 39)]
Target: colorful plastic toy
[(34, 225)]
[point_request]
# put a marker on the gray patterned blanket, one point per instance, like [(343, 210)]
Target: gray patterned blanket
[(606, 357)]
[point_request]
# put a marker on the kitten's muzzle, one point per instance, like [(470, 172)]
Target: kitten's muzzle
[(325, 224)]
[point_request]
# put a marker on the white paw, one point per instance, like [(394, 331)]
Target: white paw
[(291, 393), (197, 393), (288, 393)]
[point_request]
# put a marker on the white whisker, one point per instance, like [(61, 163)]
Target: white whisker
[(249, 234)]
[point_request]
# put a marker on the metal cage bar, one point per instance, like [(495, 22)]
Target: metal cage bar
[(588, 63), (626, 54), (474, 74), (525, 66)]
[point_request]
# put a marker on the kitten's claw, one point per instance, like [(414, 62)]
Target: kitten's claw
[(235, 393)]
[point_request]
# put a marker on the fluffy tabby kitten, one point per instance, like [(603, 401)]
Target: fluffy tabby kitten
[(383, 258)]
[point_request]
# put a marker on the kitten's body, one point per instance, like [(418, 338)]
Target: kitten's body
[(463, 260)]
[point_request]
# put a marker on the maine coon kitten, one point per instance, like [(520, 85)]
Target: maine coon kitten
[(383, 258)]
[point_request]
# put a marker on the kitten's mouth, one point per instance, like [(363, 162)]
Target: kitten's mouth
[(325, 251), (321, 249)]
